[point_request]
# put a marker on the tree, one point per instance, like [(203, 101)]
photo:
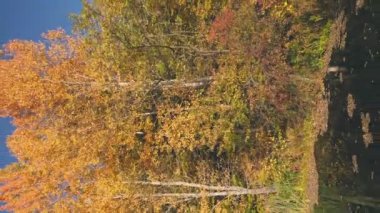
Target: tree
[(150, 91)]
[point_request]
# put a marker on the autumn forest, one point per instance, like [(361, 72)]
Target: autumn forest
[(168, 106)]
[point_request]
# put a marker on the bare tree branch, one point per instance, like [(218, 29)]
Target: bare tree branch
[(221, 191), (196, 83), (186, 184), (265, 190)]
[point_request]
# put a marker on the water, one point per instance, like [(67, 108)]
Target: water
[(348, 154)]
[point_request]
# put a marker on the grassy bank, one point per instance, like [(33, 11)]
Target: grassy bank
[(299, 187)]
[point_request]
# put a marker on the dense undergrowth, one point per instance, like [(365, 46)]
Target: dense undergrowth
[(214, 92)]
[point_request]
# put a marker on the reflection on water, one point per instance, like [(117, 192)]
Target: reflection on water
[(348, 154)]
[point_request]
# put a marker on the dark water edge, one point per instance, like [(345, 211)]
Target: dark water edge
[(348, 154)]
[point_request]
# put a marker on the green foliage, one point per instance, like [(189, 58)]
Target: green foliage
[(290, 197), (307, 49)]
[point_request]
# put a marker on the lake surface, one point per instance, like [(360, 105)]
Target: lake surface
[(348, 154)]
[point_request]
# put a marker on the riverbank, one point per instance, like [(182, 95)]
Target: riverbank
[(300, 186), (346, 153), (319, 122), (306, 134)]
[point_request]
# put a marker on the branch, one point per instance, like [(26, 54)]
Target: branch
[(335, 69), (189, 48), (180, 110), (265, 190), (186, 184), (197, 83)]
